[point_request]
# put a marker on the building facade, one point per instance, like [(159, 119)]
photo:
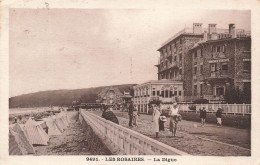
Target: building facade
[(220, 65), (110, 96), (165, 91), (174, 62), (206, 61)]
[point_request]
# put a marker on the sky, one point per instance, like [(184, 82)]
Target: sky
[(53, 49)]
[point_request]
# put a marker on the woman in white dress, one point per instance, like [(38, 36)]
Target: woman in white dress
[(156, 117)]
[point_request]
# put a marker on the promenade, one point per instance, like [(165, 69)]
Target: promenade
[(194, 139)]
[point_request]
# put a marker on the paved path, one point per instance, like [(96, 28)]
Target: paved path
[(208, 140)]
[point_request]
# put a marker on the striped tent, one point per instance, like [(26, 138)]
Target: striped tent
[(63, 120), (18, 128), (35, 133), (52, 127), (60, 124), (73, 116), (14, 147)]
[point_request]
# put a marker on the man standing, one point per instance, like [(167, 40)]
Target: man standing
[(175, 117), (130, 113), (203, 116), (219, 115)]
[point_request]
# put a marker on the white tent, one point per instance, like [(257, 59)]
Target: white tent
[(52, 127), (35, 133), (73, 116), (63, 120), (14, 147), (60, 124), (25, 144)]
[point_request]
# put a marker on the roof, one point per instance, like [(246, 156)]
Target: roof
[(185, 31), (162, 81), (106, 90), (217, 40)]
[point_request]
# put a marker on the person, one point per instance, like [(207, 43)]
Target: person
[(175, 117), (130, 113), (156, 117), (203, 113), (15, 119), (162, 120), (109, 115), (135, 116), (219, 116)]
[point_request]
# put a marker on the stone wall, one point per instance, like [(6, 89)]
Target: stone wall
[(95, 144)]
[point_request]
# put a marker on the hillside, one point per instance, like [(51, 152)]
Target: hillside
[(61, 97)]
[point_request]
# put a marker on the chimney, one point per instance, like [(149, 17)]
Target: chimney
[(205, 36), (232, 30), (197, 28), (212, 28)]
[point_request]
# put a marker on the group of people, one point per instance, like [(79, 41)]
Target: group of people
[(203, 114), (159, 119)]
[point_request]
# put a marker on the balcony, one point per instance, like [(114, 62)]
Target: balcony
[(213, 74), (218, 55), (174, 64)]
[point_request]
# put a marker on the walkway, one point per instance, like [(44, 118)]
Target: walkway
[(196, 140)]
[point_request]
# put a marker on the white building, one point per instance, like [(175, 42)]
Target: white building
[(167, 91)]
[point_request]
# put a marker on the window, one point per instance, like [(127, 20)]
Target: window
[(162, 93), (171, 93), (158, 93), (195, 54), (175, 58), (223, 48), (166, 93), (201, 69), (195, 90), (180, 71), (224, 66), (201, 91), (175, 93), (213, 67), (195, 70), (218, 49), (179, 93), (247, 65), (153, 91)]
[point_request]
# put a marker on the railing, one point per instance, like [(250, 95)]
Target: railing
[(127, 141), (227, 108)]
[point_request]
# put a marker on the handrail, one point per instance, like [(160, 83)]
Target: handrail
[(227, 108), (127, 141)]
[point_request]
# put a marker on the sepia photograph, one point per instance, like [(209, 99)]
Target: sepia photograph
[(145, 84), (159, 84)]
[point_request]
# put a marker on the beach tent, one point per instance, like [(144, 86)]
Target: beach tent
[(14, 147), (73, 116), (24, 142), (64, 122), (60, 124), (52, 127), (35, 133)]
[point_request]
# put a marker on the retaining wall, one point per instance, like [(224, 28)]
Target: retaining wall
[(95, 144)]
